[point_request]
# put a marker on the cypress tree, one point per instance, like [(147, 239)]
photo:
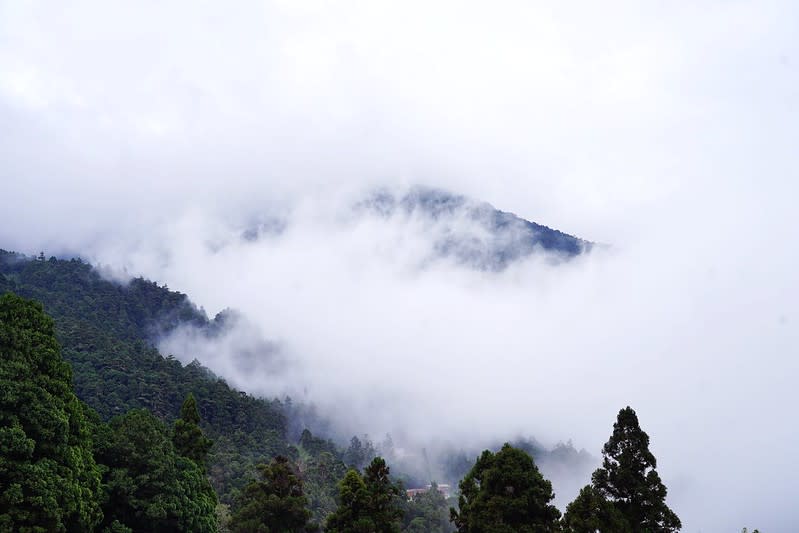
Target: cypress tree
[(275, 503), (591, 512), (629, 480), (505, 493), (383, 493), (48, 477), (150, 487), (187, 436), (352, 514)]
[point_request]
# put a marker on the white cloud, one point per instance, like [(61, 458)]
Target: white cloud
[(148, 137)]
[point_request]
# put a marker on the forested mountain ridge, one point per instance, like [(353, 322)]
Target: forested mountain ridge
[(107, 330), (138, 456)]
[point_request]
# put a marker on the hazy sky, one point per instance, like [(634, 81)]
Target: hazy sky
[(146, 137)]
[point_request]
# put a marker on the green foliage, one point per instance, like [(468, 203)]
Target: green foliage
[(591, 512), (273, 504), (320, 479), (628, 478), (149, 486), (223, 518), (352, 514), (368, 504), (48, 478), (106, 330), (315, 445), (359, 453), (505, 493), (187, 436), (383, 493), (427, 512)]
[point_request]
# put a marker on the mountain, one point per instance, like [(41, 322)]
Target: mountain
[(453, 227), (472, 233), (107, 333)]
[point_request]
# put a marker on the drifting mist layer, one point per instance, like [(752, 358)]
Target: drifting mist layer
[(382, 339), (152, 138)]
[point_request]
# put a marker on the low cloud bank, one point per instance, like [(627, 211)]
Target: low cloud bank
[(382, 338), (222, 151)]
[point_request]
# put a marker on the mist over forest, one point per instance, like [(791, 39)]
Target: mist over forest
[(436, 227)]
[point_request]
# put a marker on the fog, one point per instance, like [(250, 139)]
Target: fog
[(150, 139)]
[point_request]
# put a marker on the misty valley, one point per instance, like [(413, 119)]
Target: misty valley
[(399, 266), (102, 432)]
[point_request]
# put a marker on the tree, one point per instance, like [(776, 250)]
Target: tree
[(359, 453), (187, 436), (149, 486), (320, 482), (352, 514), (591, 512), (505, 493), (367, 504), (629, 480), (427, 512), (383, 493), (48, 477), (273, 504)]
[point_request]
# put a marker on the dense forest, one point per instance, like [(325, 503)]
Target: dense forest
[(100, 432)]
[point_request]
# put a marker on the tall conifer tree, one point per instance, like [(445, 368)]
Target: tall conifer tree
[(187, 436), (628, 478), (48, 477), (505, 493)]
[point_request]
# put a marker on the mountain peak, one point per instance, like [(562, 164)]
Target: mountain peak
[(471, 232)]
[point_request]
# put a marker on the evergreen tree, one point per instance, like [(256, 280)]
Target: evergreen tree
[(187, 436), (352, 514), (368, 504), (383, 493), (628, 478), (591, 512), (274, 504), (320, 482), (359, 453), (149, 486), (505, 493), (48, 477)]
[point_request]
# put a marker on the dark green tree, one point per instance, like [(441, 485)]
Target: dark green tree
[(352, 514), (505, 493), (149, 486), (629, 480), (273, 504), (187, 436), (359, 453), (383, 509), (591, 512), (320, 482), (48, 477)]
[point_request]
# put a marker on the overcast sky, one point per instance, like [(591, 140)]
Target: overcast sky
[(146, 137)]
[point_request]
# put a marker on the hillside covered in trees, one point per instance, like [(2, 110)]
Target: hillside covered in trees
[(103, 433)]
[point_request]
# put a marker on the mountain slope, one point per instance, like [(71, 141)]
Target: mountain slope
[(473, 233), (107, 330)]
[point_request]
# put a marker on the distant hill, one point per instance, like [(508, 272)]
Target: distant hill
[(474, 233), (471, 233)]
